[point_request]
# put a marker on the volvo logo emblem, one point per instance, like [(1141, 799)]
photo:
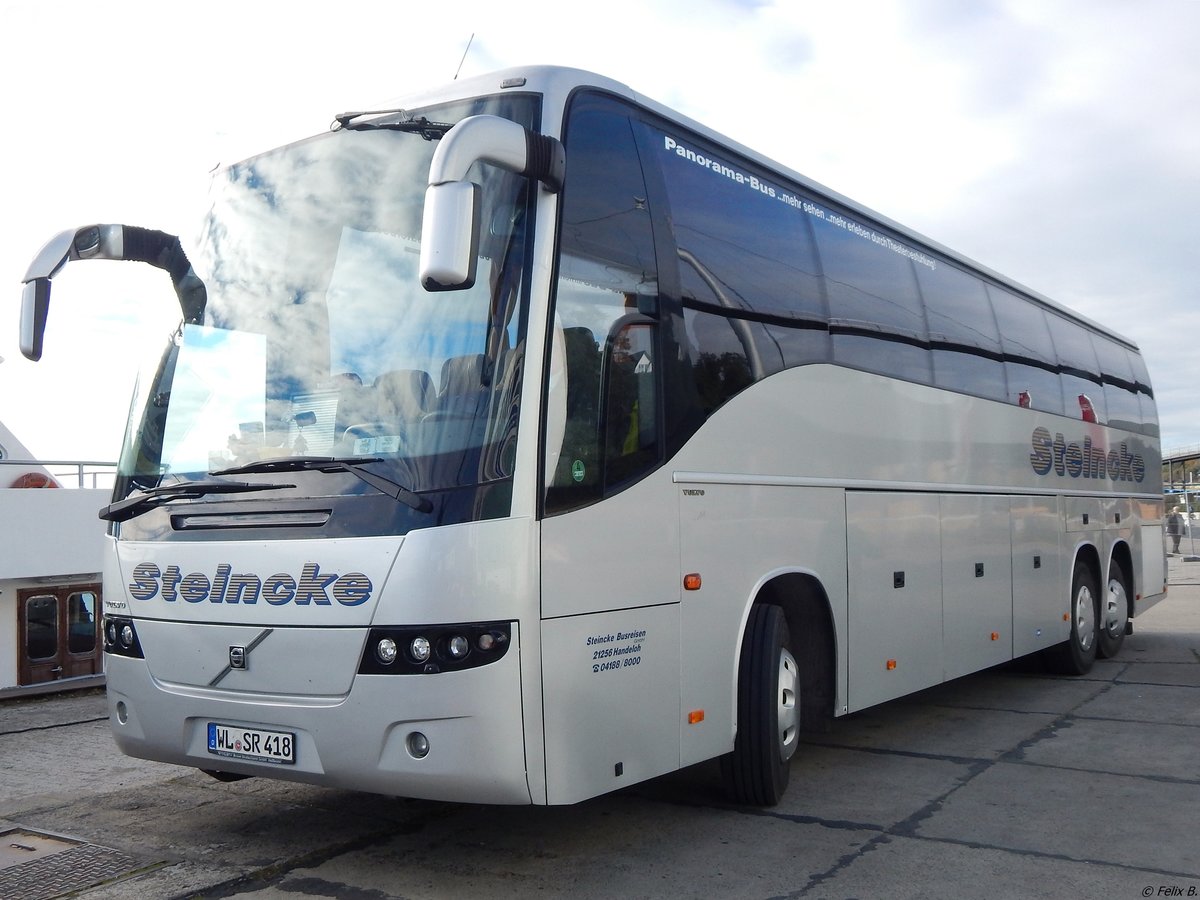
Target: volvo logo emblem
[(239, 656)]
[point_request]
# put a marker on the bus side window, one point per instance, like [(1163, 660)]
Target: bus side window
[(609, 428), (601, 392), (630, 409)]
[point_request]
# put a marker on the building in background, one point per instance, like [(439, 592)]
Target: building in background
[(50, 562)]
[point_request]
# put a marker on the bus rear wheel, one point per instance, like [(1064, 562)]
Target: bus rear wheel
[(768, 711), (1077, 653), (1115, 612)]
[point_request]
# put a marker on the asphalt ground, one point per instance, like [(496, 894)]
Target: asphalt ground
[(1011, 783)]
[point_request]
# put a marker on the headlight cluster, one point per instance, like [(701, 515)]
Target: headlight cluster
[(425, 649), (120, 637)]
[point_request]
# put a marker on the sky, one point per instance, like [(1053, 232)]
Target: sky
[(1055, 141)]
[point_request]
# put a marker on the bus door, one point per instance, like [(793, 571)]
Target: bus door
[(610, 529)]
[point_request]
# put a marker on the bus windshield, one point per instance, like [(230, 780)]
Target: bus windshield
[(317, 338)]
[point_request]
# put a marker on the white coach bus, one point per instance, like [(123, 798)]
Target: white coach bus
[(529, 440)]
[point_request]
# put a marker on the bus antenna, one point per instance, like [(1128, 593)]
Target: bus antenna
[(464, 56)]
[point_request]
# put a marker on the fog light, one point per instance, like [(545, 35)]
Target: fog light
[(458, 647), (126, 636), (418, 745), (419, 649), (386, 651)]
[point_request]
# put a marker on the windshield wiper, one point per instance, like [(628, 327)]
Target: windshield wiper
[(431, 131), (130, 507), (355, 465)]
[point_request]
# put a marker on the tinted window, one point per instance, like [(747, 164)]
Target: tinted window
[(602, 407), (741, 245), (1030, 364), (875, 311), (721, 350), (1145, 394), (1120, 384), (1082, 392), (967, 354)]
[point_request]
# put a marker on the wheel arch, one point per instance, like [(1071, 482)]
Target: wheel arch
[(1122, 555), (1089, 555), (810, 620)]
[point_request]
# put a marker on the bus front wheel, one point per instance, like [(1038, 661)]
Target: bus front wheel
[(768, 711), (1075, 655)]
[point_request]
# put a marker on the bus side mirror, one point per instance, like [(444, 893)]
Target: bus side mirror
[(35, 304), (450, 236), (156, 248), (450, 221), (35, 296)]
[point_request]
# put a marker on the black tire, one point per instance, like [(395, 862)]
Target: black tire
[(225, 776), (1075, 655), (1114, 612), (768, 712)]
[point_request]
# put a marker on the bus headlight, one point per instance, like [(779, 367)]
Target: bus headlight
[(386, 651), (420, 649), (121, 637), (458, 647), (431, 649)]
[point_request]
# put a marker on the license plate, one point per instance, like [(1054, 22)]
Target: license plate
[(277, 747)]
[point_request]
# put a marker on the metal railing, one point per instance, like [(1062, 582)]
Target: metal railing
[(1191, 452), (70, 473)]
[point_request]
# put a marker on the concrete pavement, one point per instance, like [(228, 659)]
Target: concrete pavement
[(1011, 783)]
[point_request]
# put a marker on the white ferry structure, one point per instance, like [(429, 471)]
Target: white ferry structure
[(50, 564)]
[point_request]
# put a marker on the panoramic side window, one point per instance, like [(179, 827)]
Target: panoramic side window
[(1030, 364), (963, 336), (742, 246), (726, 357), (1120, 384), (602, 418), (750, 284), (1146, 404), (875, 312), (1083, 393)]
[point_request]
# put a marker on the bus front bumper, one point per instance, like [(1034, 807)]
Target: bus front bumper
[(453, 736)]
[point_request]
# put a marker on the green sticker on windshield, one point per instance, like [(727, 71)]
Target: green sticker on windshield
[(577, 470)]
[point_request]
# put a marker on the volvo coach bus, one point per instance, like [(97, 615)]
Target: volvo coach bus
[(528, 440)]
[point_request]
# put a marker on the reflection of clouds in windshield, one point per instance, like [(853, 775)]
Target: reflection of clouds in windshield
[(217, 393), (310, 257), (374, 300), (288, 209)]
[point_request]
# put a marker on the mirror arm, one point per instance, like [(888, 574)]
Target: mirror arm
[(450, 220), (157, 248)]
